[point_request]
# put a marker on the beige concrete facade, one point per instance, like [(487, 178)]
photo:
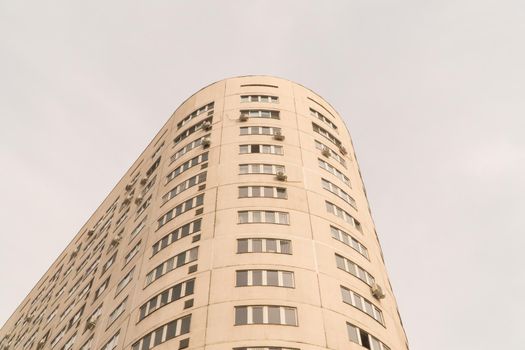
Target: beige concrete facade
[(273, 242)]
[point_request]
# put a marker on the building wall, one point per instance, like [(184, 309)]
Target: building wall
[(321, 315)]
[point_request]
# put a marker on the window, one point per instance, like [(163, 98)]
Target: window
[(258, 168), (264, 217), (262, 191), (137, 229), (178, 233), (87, 344), (125, 281), (264, 149), (340, 213), (58, 337), (207, 108), (333, 154), (84, 292), (194, 144), (322, 118), (118, 311), (357, 301), (272, 278), (327, 185), (109, 263), (112, 342), (326, 134), (350, 241), (155, 154), (153, 167), (132, 253), (167, 296), (181, 209), (324, 165), (70, 342), (73, 322), (354, 269), (102, 288), (164, 333), (201, 158), (259, 130), (67, 311), (144, 206), (260, 113), (265, 314), (95, 314), (172, 263), (191, 130), (359, 336), (260, 98), (183, 186), (122, 218), (264, 245)]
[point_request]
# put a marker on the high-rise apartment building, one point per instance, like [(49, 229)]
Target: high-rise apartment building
[(244, 225)]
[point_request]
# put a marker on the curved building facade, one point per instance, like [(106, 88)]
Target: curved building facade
[(243, 225)]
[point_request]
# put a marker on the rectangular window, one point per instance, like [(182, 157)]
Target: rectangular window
[(260, 113), (118, 311), (330, 187), (143, 206), (178, 233), (196, 113), (263, 217), (359, 336), (262, 191), (172, 263), (201, 158), (324, 165), (125, 281), (350, 241), (181, 208), (184, 185), (258, 168), (164, 333), (87, 344), (122, 218), (138, 228), (191, 130), (182, 151), (109, 263), (132, 253), (273, 278), (58, 337), (73, 322), (322, 118), (259, 98), (264, 149), (167, 296), (340, 213), (265, 314), (112, 342), (354, 269), (259, 130), (264, 245), (359, 302), (331, 153), (326, 134)]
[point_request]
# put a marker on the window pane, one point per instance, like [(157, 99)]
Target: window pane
[(189, 287), (243, 217), (257, 316), (352, 333), (283, 218), (185, 326), (242, 246), (256, 191), (268, 192), (176, 292), (145, 343), (242, 278), (256, 216), (288, 279), (158, 337), (257, 277), (172, 327), (257, 245), (271, 245), (269, 217), (241, 315), (274, 314), (267, 169), (272, 278), (290, 316), (285, 247), (243, 192)]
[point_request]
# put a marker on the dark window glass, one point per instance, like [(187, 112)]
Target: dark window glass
[(145, 342), (257, 277), (158, 337), (242, 246), (172, 327), (257, 316), (272, 278), (241, 315), (164, 298), (185, 326), (274, 315), (176, 292)]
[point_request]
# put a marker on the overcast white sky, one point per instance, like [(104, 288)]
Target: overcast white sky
[(432, 91)]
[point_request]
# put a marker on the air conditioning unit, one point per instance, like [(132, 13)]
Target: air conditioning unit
[(144, 180), (116, 240), (74, 253), (278, 136), (139, 199), (325, 152), (29, 318), (243, 117), (377, 291), (206, 142), (206, 125), (91, 324), (40, 344), (129, 187), (343, 150), (90, 232), (127, 200), (281, 176)]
